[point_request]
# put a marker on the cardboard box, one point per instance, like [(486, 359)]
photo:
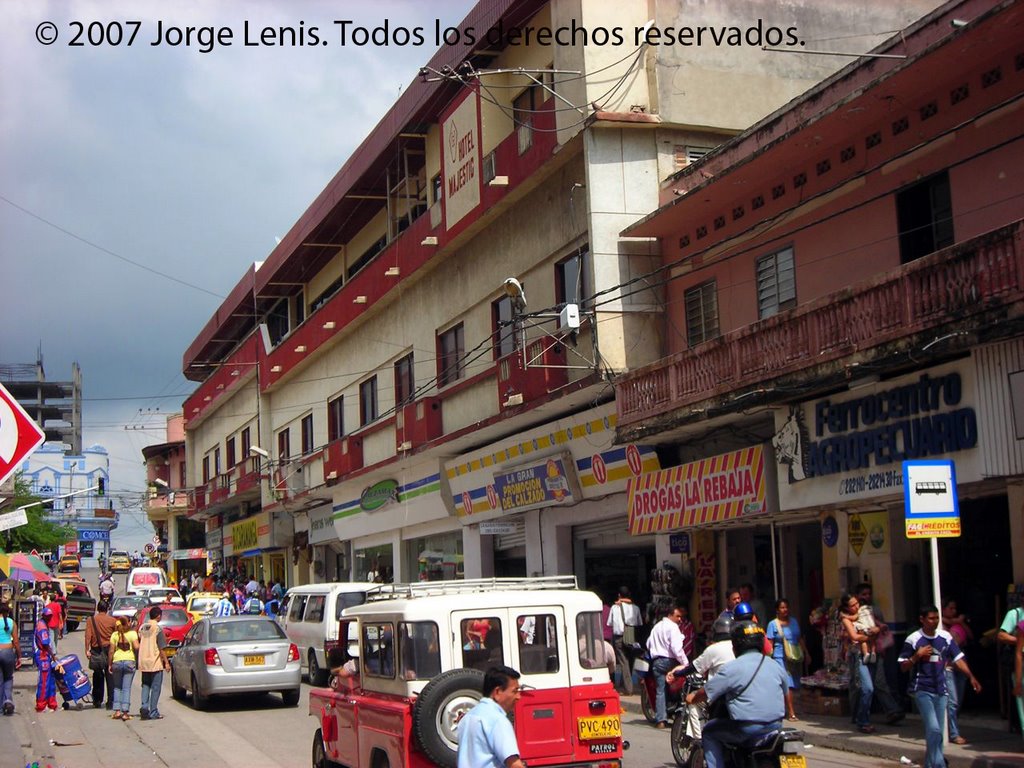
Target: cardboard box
[(819, 701)]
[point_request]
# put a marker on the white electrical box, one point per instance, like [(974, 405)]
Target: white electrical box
[(569, 317)]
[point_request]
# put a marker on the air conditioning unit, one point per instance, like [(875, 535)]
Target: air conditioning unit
[(417, 423), (518, 383)]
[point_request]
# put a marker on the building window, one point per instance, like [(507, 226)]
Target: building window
[(307, 434), (231, 457), (571, 282), (216, 461), (368, 401), (277, 322), (246, 443), (182, 475), (206, 469), (924, 215), (435, 188), (522, 115), (776, 283), (335, 418), (405, 381), (504, 333), (284, 449), (701, 313), (451, 349)]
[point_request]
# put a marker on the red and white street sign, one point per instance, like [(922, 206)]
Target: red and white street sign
[(19, 435)]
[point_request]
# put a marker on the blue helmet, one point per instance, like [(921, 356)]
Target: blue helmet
[(743, 612)]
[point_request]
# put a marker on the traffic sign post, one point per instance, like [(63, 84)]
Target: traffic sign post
[(19, 435)]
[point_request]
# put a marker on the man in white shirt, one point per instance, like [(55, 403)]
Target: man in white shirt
[(665, 647), (715, 656), (624, 613)]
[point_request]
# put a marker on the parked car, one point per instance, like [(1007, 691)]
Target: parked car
[(311, 621), (423, 650), (201, 604), (141, 579), (69, 564), (128, 605), (120, 562), (175, 621), (236, 654), (81, 603)]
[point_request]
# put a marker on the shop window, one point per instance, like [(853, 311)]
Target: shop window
[(924, 215), (482, 643), (571, 282), (503, 332), (284, 444), (232, 459), (419, 650), (451, 349), (307, 434), (538, 644), (776, 283), (298, 605), (379, 650), (315, 609), (590, 636), (405, 382), (335, 418), (368, 411), (701, 313)]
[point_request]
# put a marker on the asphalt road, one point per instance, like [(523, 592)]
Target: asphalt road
[(250, 732)]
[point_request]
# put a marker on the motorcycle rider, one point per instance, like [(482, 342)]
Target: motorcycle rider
[(714, 657), (755, 695)]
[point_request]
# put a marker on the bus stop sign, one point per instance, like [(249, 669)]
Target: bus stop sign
[(931, 506)]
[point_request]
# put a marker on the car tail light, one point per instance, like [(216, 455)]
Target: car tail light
[(293, 652), (211, 658)]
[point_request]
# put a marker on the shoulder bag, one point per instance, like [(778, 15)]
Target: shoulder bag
[(792, 651), (97, 653)]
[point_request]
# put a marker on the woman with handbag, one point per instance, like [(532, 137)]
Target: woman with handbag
[(97, 642), (788, 650), (124, 648)]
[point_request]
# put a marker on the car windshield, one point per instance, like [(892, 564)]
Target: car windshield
[(125, 603), (203, 604), (231, 631), (174, 619), (140, 579)]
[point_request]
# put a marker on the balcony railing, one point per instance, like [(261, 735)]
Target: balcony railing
[(955, 283)]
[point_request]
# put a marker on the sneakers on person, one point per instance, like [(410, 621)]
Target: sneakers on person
[(8, 708), (144, 713)]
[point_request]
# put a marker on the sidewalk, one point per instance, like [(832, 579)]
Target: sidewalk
[(989, 743)]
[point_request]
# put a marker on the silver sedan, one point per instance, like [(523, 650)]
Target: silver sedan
[(235, 654)]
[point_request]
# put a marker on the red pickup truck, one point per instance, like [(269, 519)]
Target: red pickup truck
[(421, 651)]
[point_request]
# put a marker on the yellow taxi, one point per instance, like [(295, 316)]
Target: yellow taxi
[(120, 562), (68, 564), (200, 604)]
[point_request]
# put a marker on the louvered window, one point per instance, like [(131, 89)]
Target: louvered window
[(701, 313), (776, 283)]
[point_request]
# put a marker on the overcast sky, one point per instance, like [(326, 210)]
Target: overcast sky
[(138, 183)]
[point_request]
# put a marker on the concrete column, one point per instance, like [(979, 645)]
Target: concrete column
[(477, 553), (535, 565), (1015, 502)]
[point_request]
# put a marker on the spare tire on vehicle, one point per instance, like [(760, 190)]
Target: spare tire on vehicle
[(438, 710)]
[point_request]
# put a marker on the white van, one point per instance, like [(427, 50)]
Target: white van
[(144, 579), (311, 620)]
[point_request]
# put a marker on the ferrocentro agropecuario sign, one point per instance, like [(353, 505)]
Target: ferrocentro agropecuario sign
[(378, 495)]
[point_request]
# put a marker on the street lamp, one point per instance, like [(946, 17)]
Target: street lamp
[(259, 452)]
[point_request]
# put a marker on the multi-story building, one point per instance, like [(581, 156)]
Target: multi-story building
[(845, 288), (416, 383), (56, 406), (183, 540)]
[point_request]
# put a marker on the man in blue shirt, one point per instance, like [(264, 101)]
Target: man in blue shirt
[(925, 654), (486, 736), (755, 694)]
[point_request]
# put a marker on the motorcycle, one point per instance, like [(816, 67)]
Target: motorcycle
[(648, 690), (780, 748)]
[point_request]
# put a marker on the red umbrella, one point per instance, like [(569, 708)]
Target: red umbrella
[(25, 568)]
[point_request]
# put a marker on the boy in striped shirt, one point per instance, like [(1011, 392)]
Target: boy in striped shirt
[(925, 655)]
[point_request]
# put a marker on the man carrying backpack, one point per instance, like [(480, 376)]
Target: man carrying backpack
[(253, 605)]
